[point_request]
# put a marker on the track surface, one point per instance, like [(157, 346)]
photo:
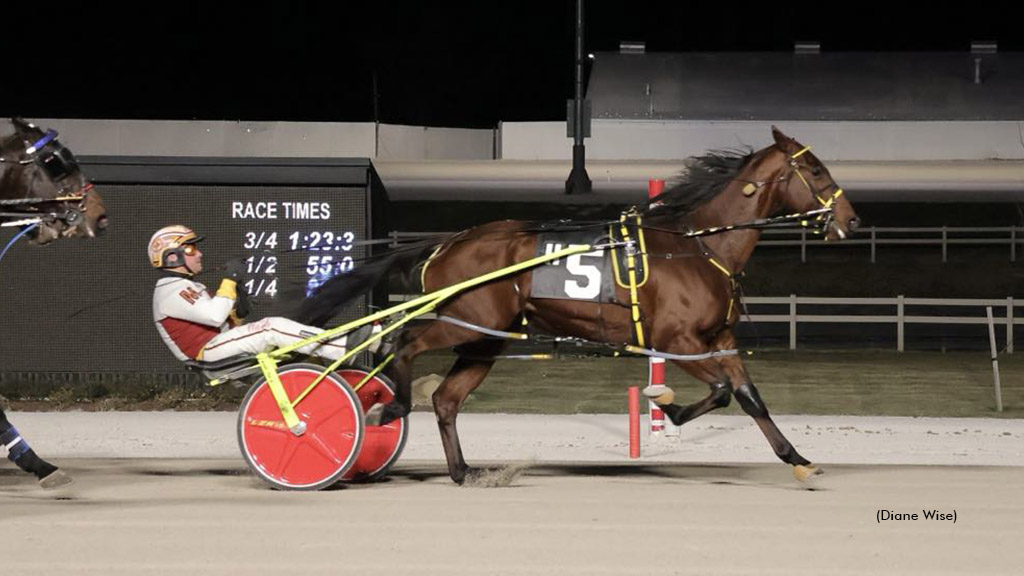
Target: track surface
[(599, 514), (211, 517)]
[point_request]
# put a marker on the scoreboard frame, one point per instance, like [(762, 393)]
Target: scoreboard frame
[(44, 293), (253, 171)]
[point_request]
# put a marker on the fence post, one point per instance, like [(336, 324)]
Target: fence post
[(1009, 325), (872, 244), (899, 323), (792, 321), (995, 359), (943, 244)]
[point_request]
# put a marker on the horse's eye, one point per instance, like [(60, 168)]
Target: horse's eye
[(816, 170)]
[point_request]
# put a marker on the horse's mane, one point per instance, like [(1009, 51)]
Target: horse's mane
[(704, 178)]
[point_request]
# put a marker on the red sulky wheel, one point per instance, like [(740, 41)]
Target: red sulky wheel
[(383, 444), (319, 457)]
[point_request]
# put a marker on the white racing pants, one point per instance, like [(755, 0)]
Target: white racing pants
[(269, 334)]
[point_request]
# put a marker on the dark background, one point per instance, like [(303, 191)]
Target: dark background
[(435, 64)]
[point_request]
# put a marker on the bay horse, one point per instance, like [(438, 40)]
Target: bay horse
[(688, 305), (43, 192)]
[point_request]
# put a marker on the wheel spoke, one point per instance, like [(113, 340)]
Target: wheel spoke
[(314, 424), (324, 449), (287, 455)]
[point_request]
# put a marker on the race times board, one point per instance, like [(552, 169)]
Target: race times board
[(292, 230)]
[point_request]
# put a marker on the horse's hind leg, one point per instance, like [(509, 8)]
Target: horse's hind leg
[(19, 452), (407, 347), (472, 366), (411, 343)]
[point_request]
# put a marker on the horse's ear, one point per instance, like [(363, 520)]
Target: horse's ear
[(21, 125), (784, 142)]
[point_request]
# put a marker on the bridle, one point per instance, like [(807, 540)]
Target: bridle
[(825, 218), (822, 217), (57, 163)]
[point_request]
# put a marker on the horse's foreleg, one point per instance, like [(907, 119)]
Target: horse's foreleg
[(719, 397), (707, 371), (750, 400), (19, 452)]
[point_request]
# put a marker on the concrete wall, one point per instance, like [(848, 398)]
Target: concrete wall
[(265, 139), (844, 141), (403, 143), (629, 140)]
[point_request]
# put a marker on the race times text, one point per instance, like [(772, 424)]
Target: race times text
[(241, 210), (298, 227), (327, 255)]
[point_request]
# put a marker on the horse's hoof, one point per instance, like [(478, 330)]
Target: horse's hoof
[(660, 394), (56, 479), (465, 477), (804, 473), (375, 415)]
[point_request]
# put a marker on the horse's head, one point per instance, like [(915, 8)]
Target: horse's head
[(34, 164), (805, 184)]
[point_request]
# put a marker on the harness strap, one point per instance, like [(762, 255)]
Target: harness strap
[(23, 222), (682, 357), (482, 330), (728, 274), (634, 301)]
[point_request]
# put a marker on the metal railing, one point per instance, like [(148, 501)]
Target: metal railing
[(899, 317), (943, 236), (874, 237)]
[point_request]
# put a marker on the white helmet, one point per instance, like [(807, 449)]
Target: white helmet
[(166, 247)]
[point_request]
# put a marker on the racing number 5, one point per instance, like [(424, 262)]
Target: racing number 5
[(590, 289)]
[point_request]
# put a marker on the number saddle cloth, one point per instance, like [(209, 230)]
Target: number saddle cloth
[(593, 276)]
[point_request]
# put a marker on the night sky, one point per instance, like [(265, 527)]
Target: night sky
[(435, 65)]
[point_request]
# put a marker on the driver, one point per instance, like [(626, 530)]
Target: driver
[(199, 325)]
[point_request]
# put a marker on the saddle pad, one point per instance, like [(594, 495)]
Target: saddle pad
[(586, 276)]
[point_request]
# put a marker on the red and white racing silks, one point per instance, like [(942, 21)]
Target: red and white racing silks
[(197, 325)]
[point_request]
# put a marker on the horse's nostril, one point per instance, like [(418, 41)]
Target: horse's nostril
[(854, 223), (101, 224)]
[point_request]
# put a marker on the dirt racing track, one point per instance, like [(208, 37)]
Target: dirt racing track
[(162, 493)]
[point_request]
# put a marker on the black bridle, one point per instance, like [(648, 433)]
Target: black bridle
[(57, 163)]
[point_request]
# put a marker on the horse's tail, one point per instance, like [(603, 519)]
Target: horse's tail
[(333, 295)]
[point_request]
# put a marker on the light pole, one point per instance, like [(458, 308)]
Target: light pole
[(579, 181)]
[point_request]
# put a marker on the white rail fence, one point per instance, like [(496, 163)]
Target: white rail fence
[(874, 237), (942, 236), (899, 316)]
